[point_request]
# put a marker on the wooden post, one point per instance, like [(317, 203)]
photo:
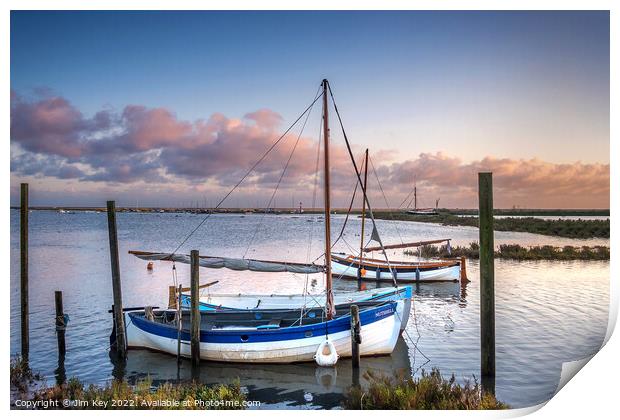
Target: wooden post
[(23, 249), (172, 297), (356, 338), (60, 323), (119, 319), (487, 280), (195, 314), (464, 279), (179, 323)]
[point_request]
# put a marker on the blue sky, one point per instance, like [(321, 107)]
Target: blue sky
[(518, 85)]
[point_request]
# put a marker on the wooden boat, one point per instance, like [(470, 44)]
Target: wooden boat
[(271, 335), (352, 267), (239, 301), (361, 268), (266, 336)]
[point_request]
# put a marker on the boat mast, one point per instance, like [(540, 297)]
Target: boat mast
[(415, 194), (329, 307), (359, 271)]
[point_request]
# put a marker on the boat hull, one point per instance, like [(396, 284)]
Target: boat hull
[(380, 330), (406, 272)]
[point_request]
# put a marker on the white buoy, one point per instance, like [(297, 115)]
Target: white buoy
[(326, 354)]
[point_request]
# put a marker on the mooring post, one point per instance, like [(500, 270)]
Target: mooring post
[(172, 297), (487, 282), (464, 279), (179, 323), (195, 314), (60, 323), (356, 340), (23, 249), (119, 319)]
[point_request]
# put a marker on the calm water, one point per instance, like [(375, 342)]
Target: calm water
[(547, 312)]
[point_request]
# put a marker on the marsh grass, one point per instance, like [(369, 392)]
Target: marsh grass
[(142, 395), (576, 229), (517, 252), (21, 374), (431, 391)]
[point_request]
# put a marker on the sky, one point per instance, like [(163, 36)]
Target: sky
[(172, 108)]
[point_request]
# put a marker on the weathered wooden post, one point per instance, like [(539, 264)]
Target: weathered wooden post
[(356, 340), (179, 324), (464, 279), (487, 282), (60, 323), (119, 319), (61, 376), (172, 297), (23, 249), (195, 314)]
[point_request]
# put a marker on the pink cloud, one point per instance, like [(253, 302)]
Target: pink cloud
[(54, 139)]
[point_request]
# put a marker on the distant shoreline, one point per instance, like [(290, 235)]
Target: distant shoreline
[(398, 214)]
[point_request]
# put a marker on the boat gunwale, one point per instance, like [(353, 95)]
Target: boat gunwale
[(339, 324)]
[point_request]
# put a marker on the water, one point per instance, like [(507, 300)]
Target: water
[(547, 312), (543, 217)]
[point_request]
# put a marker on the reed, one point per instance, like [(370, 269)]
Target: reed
[(575, 229), (21, 374), (431, 391), (518, 252), (142, 395)]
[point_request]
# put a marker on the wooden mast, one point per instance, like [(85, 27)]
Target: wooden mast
[(328, 256), (415, 194), (359, 270)]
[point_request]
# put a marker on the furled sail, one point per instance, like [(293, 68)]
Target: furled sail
[(239, 264)]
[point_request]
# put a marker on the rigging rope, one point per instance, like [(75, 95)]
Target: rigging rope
[(359, 179), (374, 171), (288, 161), (247, 173)]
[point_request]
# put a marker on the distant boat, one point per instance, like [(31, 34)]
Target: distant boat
[(349, 266), (421, 211), (361, 268)]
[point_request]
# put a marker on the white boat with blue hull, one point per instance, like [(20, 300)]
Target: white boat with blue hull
[(299, 333), (274, 336), (223, 302)]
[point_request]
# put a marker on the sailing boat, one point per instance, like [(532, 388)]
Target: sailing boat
[(270, 335), (362, 268), (422, 211)]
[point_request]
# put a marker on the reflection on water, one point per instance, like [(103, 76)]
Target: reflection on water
[(300, 384), (547, 312)]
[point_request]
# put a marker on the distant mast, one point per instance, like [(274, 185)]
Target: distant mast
[(329, 304), (415, 194)]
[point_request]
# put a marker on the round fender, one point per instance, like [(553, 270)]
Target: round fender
[(326, 354)]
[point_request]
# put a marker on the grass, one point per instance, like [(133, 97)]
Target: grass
[(21, 374), (575, 229), (142, 395), (431, 391), (518, 252)]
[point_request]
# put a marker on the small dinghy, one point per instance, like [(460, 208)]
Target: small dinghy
[(266, 336)]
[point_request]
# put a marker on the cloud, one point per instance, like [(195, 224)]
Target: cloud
[(51, 138)]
